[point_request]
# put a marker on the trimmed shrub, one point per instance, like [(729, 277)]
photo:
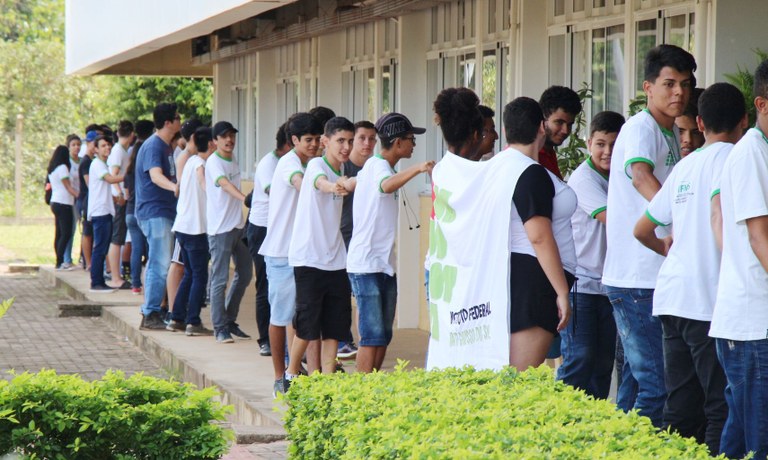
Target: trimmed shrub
[(466, 414), (46, 415)]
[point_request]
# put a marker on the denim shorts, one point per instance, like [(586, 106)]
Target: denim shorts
[(282, 291), (376, 296)]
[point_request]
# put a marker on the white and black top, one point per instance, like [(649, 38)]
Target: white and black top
[(538, 192), (59, 193), (262, 182)]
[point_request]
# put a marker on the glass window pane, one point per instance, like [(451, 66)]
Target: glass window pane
[(491, 17), (645, 40), (386, 78), (578, 5), (434, 16), (467, 71), (598, 3), (371, 88), (598, 70), (614, 69), (557, 60), (489, 79), (559, 7), (675, 31), (691, 28), (507, 18)]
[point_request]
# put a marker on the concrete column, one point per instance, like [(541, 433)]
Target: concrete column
[(329, 62), (413, 101)]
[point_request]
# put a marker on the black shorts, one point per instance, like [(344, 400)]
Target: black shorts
[(323, 304), (533, 300), (87, 227), (119, 227)]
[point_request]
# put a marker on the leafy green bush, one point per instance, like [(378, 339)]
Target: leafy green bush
[(467, 414), (46, 415)]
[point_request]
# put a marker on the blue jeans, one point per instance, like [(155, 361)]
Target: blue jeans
[(102, 234), (746, 368), (641, 336), (589, 345), (191, 293), (376, 296), (282, 294), (138, 248), (160, 242), (226, 246)]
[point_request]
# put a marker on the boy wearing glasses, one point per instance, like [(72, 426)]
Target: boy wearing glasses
[(371, 259)]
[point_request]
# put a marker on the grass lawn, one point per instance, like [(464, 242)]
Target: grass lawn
[(30, 243)]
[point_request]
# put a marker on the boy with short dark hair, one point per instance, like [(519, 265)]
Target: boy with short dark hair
[(317, 253), (370, 262), (589, 346), (305, 131), (101, 208), (687, 285), (647, 149), (225, 224), (740, 319)]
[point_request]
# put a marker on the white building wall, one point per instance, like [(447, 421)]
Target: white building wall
[(739, 27)]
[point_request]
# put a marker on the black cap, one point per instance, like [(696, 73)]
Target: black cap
[(394, 125), (221, 128)]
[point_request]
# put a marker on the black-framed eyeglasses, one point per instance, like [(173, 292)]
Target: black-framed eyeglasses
[(410, 138)]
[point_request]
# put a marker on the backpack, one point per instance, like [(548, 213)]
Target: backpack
[(48, 191)]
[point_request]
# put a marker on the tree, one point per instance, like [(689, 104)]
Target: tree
[(136, 97)]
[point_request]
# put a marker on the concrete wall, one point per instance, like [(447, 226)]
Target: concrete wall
[(739, 27)]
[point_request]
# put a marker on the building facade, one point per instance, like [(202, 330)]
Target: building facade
[(365, 58)]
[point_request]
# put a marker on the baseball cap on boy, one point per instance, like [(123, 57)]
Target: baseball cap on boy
[(221, 128), (394, 125)]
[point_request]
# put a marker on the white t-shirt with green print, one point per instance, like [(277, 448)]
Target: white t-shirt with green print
[(687, 283), (629, 264), (224, 212)]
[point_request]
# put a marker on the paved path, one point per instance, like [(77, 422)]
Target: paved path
[(33, 337)]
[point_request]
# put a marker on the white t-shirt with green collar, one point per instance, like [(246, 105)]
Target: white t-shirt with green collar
[(629, 264), (283, 198), (374, 215), (316, 237), (687, 282), (99, 196), (262, 181), (224, 212), (591, 188), (741, 311)]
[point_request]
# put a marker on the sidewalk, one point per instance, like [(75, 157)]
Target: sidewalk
[(244, 378)]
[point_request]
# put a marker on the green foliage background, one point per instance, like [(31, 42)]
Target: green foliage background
[(33, 84)]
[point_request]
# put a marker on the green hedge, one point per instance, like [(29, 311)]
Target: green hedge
[(466, 414), (52, 416)]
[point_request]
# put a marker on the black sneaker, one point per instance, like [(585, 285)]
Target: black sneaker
[(176, 326), (101, 289), (153, 322), (281, 386), (197, 329), (265, 349), (235, 330), (126, 285)]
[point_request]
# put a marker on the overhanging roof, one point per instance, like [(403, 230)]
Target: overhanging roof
[(147, 37)]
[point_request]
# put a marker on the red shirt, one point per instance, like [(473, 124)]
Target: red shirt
[(548, 159)]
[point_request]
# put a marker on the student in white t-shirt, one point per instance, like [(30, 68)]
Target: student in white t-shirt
[(589, 343), (317, 253), (73, 143), (740, 319), (647, 149), (687, 285), (257, 231), (62, 201), (371, 257), (305, 132), (225, 224), (118, 163), (101, 209), (190, 229)]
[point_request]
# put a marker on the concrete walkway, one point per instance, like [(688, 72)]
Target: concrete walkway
[(244, 378)]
